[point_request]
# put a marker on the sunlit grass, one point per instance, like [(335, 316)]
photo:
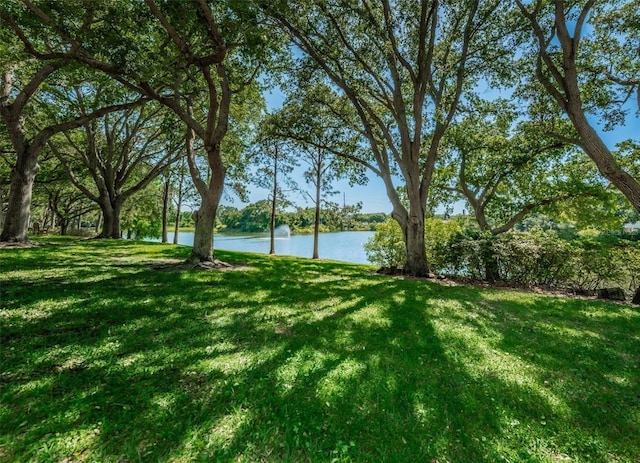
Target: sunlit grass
[(105, 358)]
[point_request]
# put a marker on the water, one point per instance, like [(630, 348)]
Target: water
[(344, 246)]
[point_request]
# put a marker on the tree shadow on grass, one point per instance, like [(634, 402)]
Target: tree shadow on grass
[(584, 353), (296, 361)]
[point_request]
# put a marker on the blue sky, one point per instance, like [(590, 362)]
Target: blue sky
[(372, 195)]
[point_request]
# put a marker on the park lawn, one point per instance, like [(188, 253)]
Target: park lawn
[(107, 358)]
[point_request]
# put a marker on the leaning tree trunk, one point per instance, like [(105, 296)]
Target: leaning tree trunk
[(16, 223), (604, 160)]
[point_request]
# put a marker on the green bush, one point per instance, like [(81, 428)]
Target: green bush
[(386, 247), (436, 232), (604, 263), (542, 258), (533, 258), (463, 254)]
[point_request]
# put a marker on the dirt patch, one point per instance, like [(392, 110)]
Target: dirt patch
[(175, 265)]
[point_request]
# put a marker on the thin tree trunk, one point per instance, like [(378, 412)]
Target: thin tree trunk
[(98, 222), (272, 226), (316, 224), (176, 228), (165, 210), (1, 206)]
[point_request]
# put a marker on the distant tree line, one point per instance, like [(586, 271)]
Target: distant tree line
[(255, 217)]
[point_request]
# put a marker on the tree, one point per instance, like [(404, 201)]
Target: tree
[(141, 217), (275, 160), (61, 198), (565, 60), (505, 167), (192, 63), (402, 66), (183, 191), (324, 144), (20, 82), (122, 153), (255, 217)]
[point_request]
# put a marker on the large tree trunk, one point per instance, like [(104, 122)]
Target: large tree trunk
[(416, 250), (107, 220), (413, 229), (16, 223), (64, 225), (111, 220), (205, 217)]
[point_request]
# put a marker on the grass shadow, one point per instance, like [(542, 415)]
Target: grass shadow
[(295, 360)]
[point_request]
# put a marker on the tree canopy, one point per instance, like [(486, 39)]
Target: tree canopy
[(503, 105)]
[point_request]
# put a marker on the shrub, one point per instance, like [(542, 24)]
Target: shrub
[(463, 254), (533, 258), (436, 232), (386, 247), (605, 262)]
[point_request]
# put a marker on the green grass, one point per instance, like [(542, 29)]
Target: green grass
[(106, 359)]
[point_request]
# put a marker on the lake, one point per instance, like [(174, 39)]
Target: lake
[(344, 246)]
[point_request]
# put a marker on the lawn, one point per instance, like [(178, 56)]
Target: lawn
[(106, 358)]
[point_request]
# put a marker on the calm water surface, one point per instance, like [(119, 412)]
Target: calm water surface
[(344, 246)]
